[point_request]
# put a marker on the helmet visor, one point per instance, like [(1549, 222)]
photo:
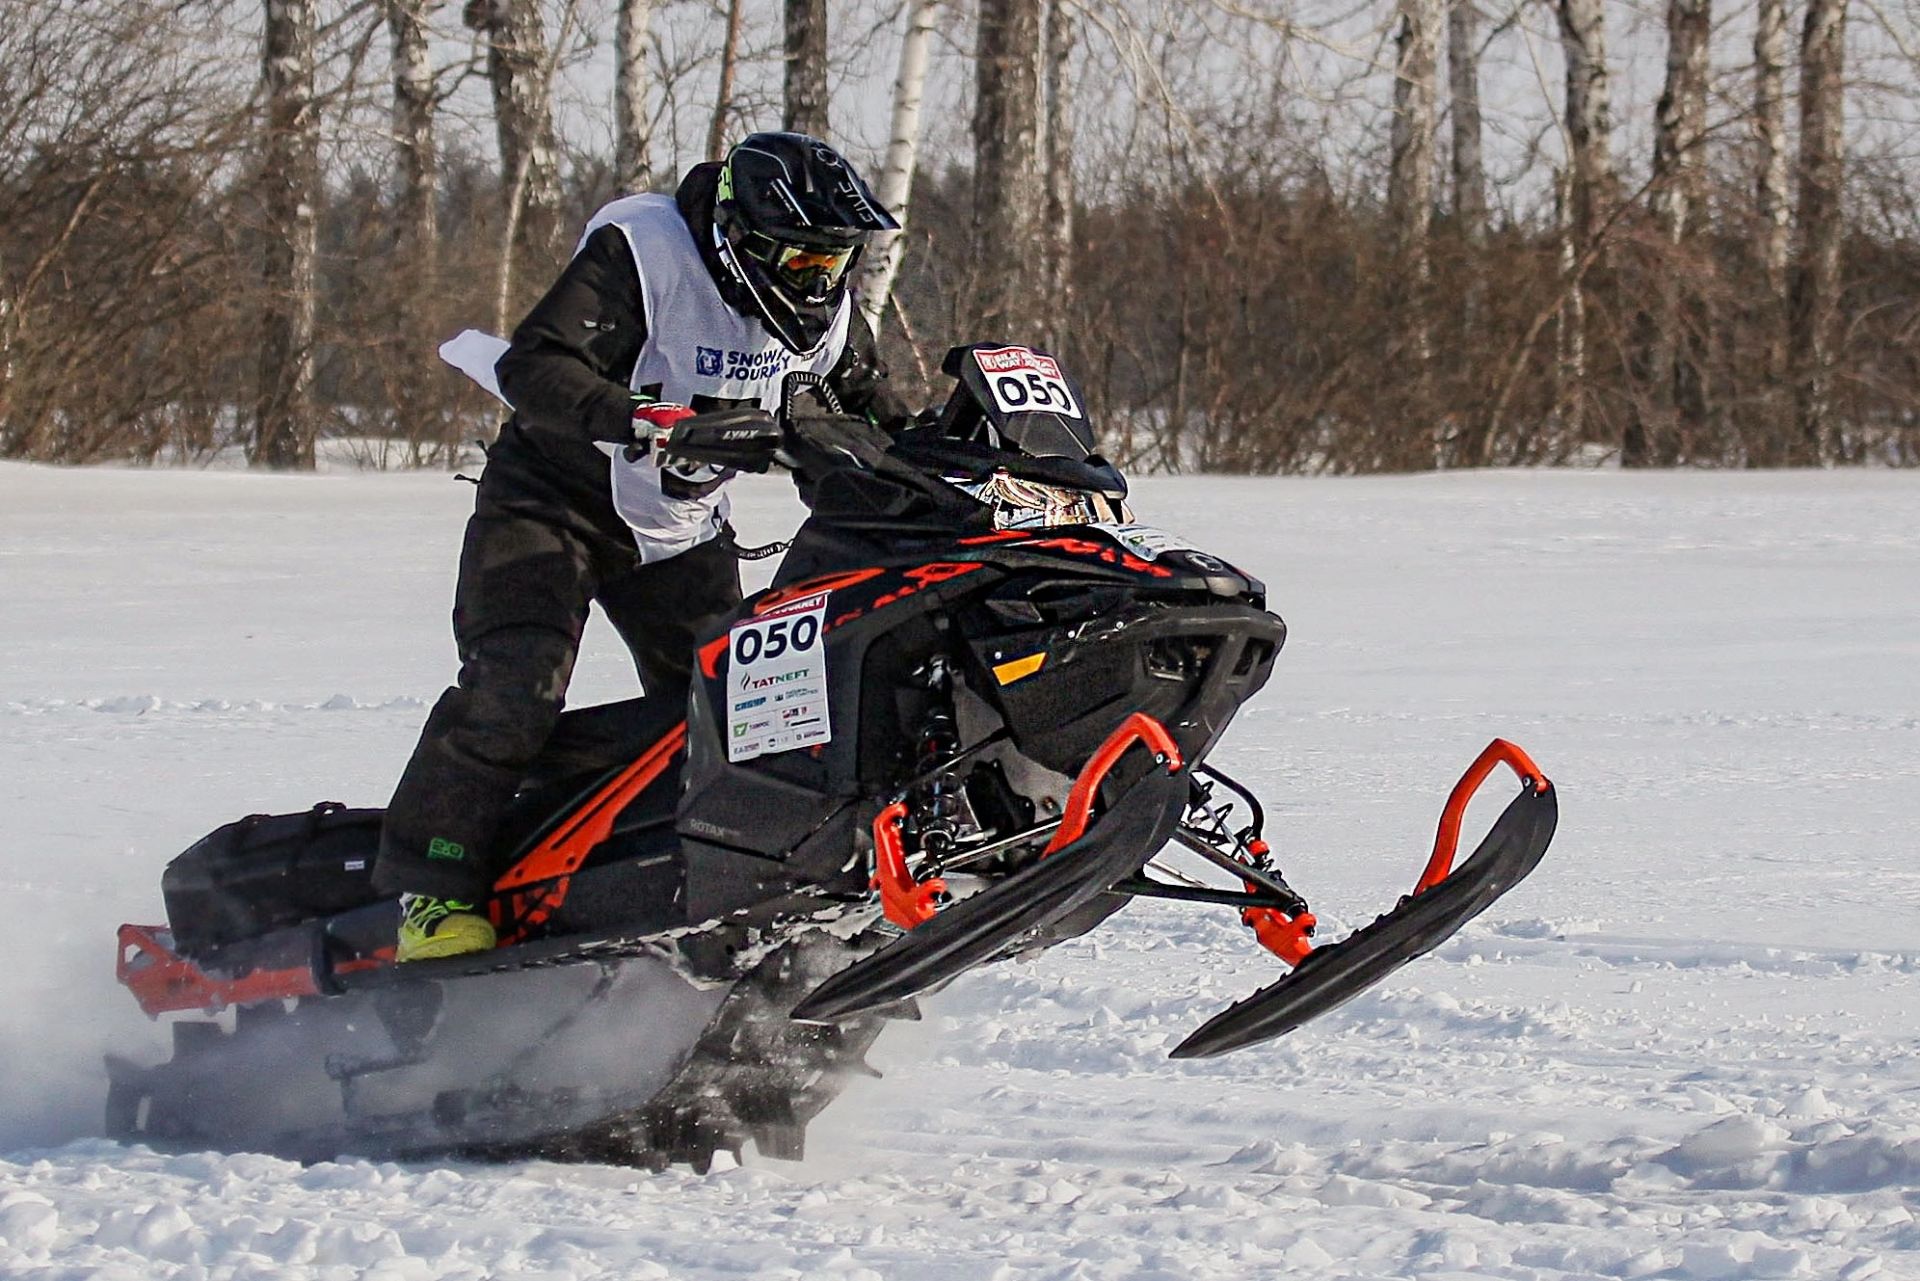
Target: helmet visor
[(806, 270)]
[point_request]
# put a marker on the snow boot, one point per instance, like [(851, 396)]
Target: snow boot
[(432, 928)]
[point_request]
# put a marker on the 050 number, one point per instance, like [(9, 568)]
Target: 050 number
[(1034, 391), (782, 636)]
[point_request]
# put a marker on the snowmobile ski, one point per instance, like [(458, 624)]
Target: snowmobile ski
[(1445, 899), (1112, 847)]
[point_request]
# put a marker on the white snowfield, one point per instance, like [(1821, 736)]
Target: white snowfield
[(1688, 1047)]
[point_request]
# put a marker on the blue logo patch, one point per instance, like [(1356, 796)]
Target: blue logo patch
[(707, 361)]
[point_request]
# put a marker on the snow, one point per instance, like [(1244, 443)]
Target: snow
[(1688, 1047)]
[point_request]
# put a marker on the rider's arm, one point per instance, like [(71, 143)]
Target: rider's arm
[(860, 379), (566, 372)]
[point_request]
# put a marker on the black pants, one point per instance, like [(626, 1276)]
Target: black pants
[(519, 610)]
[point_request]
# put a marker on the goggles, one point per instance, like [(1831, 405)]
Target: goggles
[(802, 267)]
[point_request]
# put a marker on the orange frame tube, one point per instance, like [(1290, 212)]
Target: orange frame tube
[(1446, 842), (1137, 728)]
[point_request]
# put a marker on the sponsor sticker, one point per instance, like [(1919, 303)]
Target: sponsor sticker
[(1144, 541), (779, 656)]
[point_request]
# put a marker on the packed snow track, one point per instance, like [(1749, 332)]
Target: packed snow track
[(1687, 1048)]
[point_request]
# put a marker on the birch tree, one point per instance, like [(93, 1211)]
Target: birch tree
[(729, 66), (1056, 157), (519, 67), (284, 427), (632, 126), (416, 238), (1773, 205), (413, 142), (1410, 178), (1815, 288), (805, 100), (1678, 196), (1009, 195), (895, 186), (1588, 122), (1463, 87)]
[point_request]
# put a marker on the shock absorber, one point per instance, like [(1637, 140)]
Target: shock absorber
[(937, 806)]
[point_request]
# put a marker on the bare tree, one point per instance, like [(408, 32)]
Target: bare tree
[(1463, 84), (1410, 182), (1009, 195), (1815, 288), (895, 185), (519, 70), (1590, 178), (414, 152), (729, 66), (1056, 158), (1772, 203), (284, 425), (805, 108), (1655, 429), (632, 126)]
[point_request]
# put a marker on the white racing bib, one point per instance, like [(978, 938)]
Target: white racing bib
[(777, 680)]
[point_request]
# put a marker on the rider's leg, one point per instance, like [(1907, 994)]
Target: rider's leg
[(661, 609), (519, 611)]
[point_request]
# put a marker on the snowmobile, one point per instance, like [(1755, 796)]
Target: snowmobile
[(975, 706)]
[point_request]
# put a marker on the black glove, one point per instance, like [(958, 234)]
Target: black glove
[(742, 439)]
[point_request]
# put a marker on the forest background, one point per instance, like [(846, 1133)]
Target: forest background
[(1268, 235)]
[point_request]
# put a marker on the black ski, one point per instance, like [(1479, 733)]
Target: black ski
[(1118, 844), (1333, 975)]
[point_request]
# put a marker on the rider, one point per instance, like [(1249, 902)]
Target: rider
[(700, 301)]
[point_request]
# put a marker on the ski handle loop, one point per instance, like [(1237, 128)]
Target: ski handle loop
[(1446, 842), (906, 902), (1137, 728)]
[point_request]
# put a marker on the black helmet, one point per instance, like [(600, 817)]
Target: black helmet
[(790, 219)]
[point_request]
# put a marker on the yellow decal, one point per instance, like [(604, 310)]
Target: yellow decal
[(1009, 672)]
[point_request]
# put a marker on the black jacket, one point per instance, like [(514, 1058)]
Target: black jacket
[(566, 374)]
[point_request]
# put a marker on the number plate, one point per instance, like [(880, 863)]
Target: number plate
[(1022, 381), (777, 681)]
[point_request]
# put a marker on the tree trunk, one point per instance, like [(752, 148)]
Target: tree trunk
[(416, 238), (882, 259), (1666, 411), (1410, 197), (1570, 329), (289, 184), (1590, 182), (1469, 447), (1056, 152), (1009, 195), (723, 102), (1463, 82), (518, 69), (1815, 289), (632, 126), (1776, 221), (806, 85), (414, 152)]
